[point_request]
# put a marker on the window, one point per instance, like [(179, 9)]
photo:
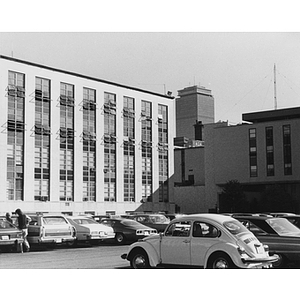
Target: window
[(66, 142), (15, 135), (270, 151), (146, 151), (109, 147), (163, 153), (179, 229), (202, 229), (253, 152), (129, 149), (89, 145), (287, 150)]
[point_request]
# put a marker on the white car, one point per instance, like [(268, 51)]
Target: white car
[(201, 240), (88, 230)]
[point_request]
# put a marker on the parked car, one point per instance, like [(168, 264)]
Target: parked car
[(88, 230), (281, 214), (201, 240), (127, 230), (10, 236), (294, 219), (45, 229), (156, 221), (281, 235)]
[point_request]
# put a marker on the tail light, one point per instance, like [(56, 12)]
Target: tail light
[(42, 231)]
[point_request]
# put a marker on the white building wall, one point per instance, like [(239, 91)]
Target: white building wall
[(78, 206)]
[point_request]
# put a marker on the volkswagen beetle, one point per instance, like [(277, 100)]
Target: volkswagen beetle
[(201, 240)]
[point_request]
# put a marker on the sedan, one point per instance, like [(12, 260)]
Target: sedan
[(88, 230), (156, 221), (10, 235), (201, 240), (128, 230), (281, 235)]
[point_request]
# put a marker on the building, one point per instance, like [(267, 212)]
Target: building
[(195, 105), (76, 144), (261, 152)]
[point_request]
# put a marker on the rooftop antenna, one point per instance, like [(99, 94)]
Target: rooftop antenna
[(275, 96)]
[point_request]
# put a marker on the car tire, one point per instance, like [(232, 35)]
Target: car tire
[(281, 262), (72, 243), (120, 238), (220, 260), (139, 260)]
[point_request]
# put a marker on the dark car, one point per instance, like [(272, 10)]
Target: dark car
[(10, 236), (282, 237), (156, 221), (127, 230)]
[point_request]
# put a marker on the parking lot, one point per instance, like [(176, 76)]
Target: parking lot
[(106, 256)]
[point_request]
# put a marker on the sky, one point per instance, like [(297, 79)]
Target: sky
[(236, 65)]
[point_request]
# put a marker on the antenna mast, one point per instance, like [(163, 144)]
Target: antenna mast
[(275, 96)]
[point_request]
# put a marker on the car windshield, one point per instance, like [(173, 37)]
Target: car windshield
[(235, 227), (158, 219), (5, 224), (283, 226), (54, 221), (85, 221)]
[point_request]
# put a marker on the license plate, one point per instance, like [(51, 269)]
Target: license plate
[(58, 240), (146, 232), (5, 237)]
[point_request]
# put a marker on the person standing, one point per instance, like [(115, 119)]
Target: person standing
[(8, 217), (23, 222)]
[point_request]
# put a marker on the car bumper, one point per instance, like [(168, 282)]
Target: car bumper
[(101, 237), (56, 240), (262, 261), (11, 242)]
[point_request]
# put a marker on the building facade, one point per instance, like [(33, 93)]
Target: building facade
[(76, 144), (259, 153)]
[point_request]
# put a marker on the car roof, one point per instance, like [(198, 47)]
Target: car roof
[(215, 217), (254, 217)]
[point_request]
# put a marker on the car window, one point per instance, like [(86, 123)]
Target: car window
[(107, 223), (252, 227), (235, 227), (54, 220), (283, 226), (5, 224), (203, 229), (179, 229), (85, 221)]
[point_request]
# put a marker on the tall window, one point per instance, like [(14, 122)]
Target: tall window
[(129, 149), (42, 139), (163, 153), (253, 152), (66, 142), (270, 151), (287, 150), (15, 135), (146, 119), (89, 144), (109, 110)]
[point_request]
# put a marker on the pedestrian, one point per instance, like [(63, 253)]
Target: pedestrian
[(23, 222), (8, 217)]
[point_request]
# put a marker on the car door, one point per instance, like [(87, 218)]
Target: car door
[(175, 244), (204, 236)]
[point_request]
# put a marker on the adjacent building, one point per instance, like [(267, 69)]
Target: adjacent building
[(75, 144)]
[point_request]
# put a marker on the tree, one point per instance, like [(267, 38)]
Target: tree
[(232, 198)]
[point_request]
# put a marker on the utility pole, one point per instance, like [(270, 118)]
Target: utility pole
[(275, 96)]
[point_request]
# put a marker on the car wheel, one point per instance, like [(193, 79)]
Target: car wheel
[(220, 261), (139, 260), (72, 243), (280, 263), (120, 238)]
